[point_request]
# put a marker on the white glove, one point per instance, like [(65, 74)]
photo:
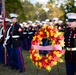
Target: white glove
[(1, 36), (4, 44), (7, 37)]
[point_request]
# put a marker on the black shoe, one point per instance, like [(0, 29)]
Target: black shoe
[(22, 70)]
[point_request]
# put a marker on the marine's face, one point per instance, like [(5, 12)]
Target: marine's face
[(14, 20), (72, 24)]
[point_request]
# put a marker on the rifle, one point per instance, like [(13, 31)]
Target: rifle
[(4, 30)]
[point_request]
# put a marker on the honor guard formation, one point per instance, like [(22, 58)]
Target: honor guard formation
[(18, 37)]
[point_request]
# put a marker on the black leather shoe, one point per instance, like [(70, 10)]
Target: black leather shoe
[(22, 70)]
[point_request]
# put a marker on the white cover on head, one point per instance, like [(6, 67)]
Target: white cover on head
[(13, 15), (29, 21), (37, 21), (1, 20), (7, 19), (71, 15), (60, 21), (54, 19), (24, 23), (47, 20)]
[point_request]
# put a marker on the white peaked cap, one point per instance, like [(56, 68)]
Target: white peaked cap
[(21, 24), (47, 20), (37, 21), (43, 22), (0, 16), (24, 23), (71, 15), (54, 19), (60, 21), (13, 15), (7, 19), (1, 20), (33, 24), (29, 21)]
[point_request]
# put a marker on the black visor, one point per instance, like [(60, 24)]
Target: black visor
[(71, 20), (13, 17)]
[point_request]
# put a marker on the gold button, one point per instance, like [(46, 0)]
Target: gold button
[(16, 39), (68, 42), (70, 31), (69, 36), (68, 39)]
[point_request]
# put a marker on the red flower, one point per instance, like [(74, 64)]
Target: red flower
[(54, 57), (60, 37), (55, 29), (44, 64), (50, 63)]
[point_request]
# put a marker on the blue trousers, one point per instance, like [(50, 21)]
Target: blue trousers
[(10, 54), (70, 68), (2, 60), (29, 41), (18, 58), (25, 43)]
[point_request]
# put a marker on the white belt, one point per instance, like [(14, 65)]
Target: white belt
[(30, 32), (15, 36), (24, 32), (71, 49)]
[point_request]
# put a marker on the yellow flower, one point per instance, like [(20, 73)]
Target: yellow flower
[(51, 33), (48, 68), (36, 63), (40, 38), (56, 35), (40, 65), (46, 60), (57, 53), (53, 42), (40, 42), (40, 32), (54, 62), (62, 43), (47, 34), (34, 38), (60, 60), (45, 30), (50, 57), (30, 56)]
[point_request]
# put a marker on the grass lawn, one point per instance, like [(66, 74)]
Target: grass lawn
[(31, 69)]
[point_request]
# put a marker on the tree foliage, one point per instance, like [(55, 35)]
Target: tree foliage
[(14, 6), (28, 11)]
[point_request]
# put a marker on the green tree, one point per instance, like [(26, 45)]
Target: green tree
[(29, 10), (41, 13), (14, 6), (70, 6)]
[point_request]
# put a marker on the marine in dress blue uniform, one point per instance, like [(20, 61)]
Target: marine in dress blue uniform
[(31, 32), (70, 44), (7, 42), (2, 60), (25, 36), (17, 36)]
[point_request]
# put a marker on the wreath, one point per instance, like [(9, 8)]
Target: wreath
[(56, 42)]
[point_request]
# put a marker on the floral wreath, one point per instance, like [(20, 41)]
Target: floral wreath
[(55, 48)]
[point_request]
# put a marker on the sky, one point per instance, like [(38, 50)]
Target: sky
[(40, 1)]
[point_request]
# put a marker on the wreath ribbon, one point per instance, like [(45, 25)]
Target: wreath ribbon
[(50, 47)]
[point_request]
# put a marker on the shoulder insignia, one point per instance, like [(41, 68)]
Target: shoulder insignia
[(19, 30)]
